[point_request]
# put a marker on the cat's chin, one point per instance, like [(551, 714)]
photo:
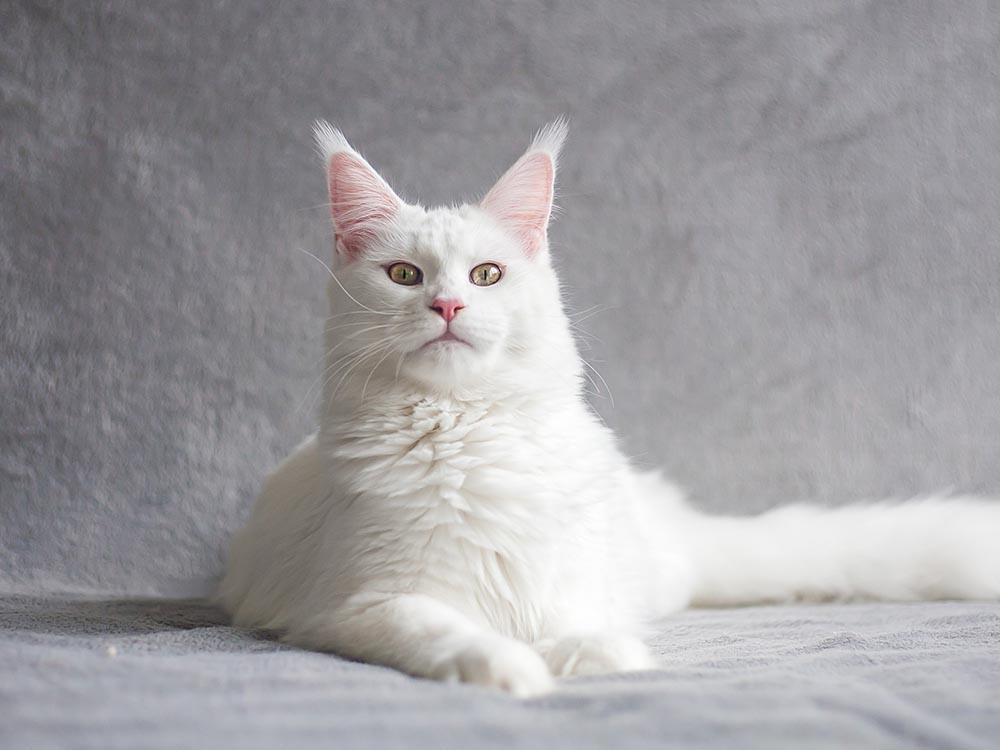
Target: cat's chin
[(449, 362), (445, 341)]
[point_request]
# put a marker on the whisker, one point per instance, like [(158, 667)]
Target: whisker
[(601, 377), (311, 394), (589, 313), (364, 388), (399, 366), (343, 364), (354, 335), (338, 326), (332, 369), (334, 277), (343, 378), (353, 312)]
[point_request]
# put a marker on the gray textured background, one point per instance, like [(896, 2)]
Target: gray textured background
[(788, 209)]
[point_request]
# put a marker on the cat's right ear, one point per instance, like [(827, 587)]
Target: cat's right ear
[(521, 200), (361, 202)]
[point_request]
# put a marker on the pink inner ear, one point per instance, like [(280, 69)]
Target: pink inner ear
[(522, 199), (360, 202)]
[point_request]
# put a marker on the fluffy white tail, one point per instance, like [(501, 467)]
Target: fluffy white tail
[(933, 548)]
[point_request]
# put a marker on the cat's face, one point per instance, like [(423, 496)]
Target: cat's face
[(446, 296)]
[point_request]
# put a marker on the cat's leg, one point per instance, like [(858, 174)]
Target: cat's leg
[(424, 637), (595, 654)]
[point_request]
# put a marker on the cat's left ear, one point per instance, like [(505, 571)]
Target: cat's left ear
[(361, 203), (521, 200)]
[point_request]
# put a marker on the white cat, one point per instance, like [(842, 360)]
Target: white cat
[(463, 515)]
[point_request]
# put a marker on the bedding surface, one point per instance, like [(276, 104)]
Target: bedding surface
[(171, 674)]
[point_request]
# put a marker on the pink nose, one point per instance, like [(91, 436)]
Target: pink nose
[(447, 308)]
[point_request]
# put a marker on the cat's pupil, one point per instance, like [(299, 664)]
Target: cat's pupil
[(485, 274), (404, 273)]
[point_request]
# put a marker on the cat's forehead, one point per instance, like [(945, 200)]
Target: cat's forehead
[(449, 232), (438, 229)]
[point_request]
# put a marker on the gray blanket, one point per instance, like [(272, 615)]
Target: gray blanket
[(779, 232), (107, 674)]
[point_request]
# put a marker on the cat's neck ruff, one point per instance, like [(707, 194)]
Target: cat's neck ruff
[(554, 385), (382, 401)]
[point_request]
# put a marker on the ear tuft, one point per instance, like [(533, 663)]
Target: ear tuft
[(521, 200), (550, 139), (361, 202), (329, 140)]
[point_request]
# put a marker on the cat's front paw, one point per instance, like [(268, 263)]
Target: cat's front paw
[(597, 654), (497, 662)]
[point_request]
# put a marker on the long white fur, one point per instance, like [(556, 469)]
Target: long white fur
[(462, 514)]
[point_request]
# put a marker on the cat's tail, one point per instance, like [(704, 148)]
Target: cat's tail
[(930, 548)]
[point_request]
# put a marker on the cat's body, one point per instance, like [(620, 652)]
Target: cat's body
[(462, 514)]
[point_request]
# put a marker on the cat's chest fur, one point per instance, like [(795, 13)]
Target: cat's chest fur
[(486, 505)]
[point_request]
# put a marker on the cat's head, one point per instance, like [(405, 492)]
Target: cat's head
[(449, 297)]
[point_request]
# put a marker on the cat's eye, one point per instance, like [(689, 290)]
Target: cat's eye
[(486, 274), (406, 274)]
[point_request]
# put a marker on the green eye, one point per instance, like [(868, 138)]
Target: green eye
[(486, 274), (406, 274)]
